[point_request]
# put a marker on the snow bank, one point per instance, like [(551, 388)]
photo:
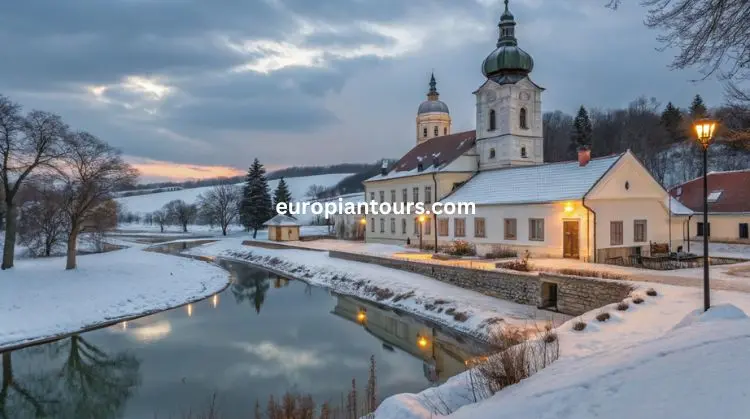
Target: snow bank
[(715, 313), (458, 308), (40, 300)]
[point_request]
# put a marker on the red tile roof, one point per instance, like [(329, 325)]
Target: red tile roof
[(446, 148), (734, 197)]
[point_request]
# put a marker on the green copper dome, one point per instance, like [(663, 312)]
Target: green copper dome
[(508, 61)]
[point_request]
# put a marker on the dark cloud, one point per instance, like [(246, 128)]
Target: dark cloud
[(342, 108)]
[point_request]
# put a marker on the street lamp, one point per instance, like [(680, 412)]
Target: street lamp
[(705, 128), (363, 226), (421, 230)]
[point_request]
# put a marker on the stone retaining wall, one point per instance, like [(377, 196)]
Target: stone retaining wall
[(575, 295)]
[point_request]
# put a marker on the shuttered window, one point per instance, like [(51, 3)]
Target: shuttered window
[(615, 233), (640, 228)]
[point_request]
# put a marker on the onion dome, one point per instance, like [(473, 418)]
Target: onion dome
[(508, 63), (432, 104)]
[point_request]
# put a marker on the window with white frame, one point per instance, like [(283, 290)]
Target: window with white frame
[(536, 229)]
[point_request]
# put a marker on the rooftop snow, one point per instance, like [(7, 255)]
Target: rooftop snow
[(533, 184), (282, 220)]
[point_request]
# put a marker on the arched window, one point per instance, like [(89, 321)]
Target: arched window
[(424, 132), (492, 120), (522, 119), (436, 131), (492, 153), (523, 152), (445, 131)]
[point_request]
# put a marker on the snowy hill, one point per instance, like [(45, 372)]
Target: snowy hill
[(151, 202)]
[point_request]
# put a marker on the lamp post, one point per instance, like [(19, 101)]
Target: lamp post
[(704, 128), (421, 230), (363, 226)]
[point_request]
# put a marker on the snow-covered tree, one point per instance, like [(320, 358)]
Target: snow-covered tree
[(281, 194), (255, 208)]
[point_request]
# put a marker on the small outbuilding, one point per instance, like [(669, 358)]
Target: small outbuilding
[(283, 228)]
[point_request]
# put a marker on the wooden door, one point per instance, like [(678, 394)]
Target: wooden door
[(570, 239), (277, 230)]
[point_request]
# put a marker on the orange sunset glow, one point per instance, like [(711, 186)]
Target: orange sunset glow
[(153, 170)]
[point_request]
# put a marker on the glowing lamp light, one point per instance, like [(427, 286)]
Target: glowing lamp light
[(705, 128), (568, 208), (215, 300), (422, 218), (363, 221), (422, 342), (361, 316), (190, 310), (124, 325)]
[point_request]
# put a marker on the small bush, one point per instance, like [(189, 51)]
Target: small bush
[(651, 292), (622, 306), (603, 316), (501, 252), (579, 326), (521, 264), (550, 337), (462, 248), (590, 273), (637, 300), (460, 317)]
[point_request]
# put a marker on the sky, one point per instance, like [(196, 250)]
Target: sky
[(199, 88)]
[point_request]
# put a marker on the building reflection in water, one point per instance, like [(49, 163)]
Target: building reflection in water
[(444, 354)]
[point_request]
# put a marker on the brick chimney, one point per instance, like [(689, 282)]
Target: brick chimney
[(584, 155)]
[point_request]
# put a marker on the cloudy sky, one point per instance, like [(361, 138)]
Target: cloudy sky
[(196, 88)]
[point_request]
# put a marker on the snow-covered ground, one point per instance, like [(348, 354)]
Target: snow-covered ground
[(298, 187), (39, 299), (440, 302), (637, 364)]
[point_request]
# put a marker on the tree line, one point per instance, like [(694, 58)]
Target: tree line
[(661, 136), (223, 205), (55, 181)]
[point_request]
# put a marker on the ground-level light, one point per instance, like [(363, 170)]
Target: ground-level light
[(361, 316), (422, 341)]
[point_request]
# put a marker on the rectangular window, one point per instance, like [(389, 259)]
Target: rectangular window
[(372, 225), (404, 195), (479, 227), (536, 229), (382, 196), (640, 228), (700, 230), (428, 195), (459, 227), (372, 196), (393, 195), (403, 226), (427, 227), (382, 225), (415, 194), (510, 229), (743, 231), (393, 226), (443, 227), (615, 233)]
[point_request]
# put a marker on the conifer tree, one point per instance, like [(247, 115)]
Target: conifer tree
[(671, 120), (581, 133), (281, 194), (698, 108), (255, 208)]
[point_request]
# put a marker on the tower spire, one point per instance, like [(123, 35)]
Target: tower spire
[(507, 28), (433, 93)]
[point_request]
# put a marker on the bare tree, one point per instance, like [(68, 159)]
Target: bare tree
[(26, 144), (315, 191), (181, 213), (160, 218), (220, 204), (42, 222), (93, 171), (102, 219)]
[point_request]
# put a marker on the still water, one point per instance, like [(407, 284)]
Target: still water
[(262, 336)]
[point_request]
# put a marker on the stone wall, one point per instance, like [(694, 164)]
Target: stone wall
[(575, 295)]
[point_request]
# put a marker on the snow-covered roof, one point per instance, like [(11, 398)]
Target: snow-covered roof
[(533, 184), (282, 220), (677, 208)]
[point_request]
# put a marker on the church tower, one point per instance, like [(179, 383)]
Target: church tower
[(433, 118), (509, 105)]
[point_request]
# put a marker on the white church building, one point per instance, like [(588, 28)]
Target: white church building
[(596, 209)]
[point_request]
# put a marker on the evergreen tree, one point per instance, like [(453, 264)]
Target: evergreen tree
[(281, 194), (698, 108), (580, 136), (671, 120), (255, 208)]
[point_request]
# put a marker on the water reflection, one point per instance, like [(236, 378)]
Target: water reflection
[(443, 353), (80, 381), (250, 285)]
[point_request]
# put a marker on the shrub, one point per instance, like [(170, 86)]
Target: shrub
[(603, 316), (501, 252), (521, 264), (462, 248), (579, 326), (589, 273), (460, 317), (637, 300), (651, 292), (622, 306), (549, 337)]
